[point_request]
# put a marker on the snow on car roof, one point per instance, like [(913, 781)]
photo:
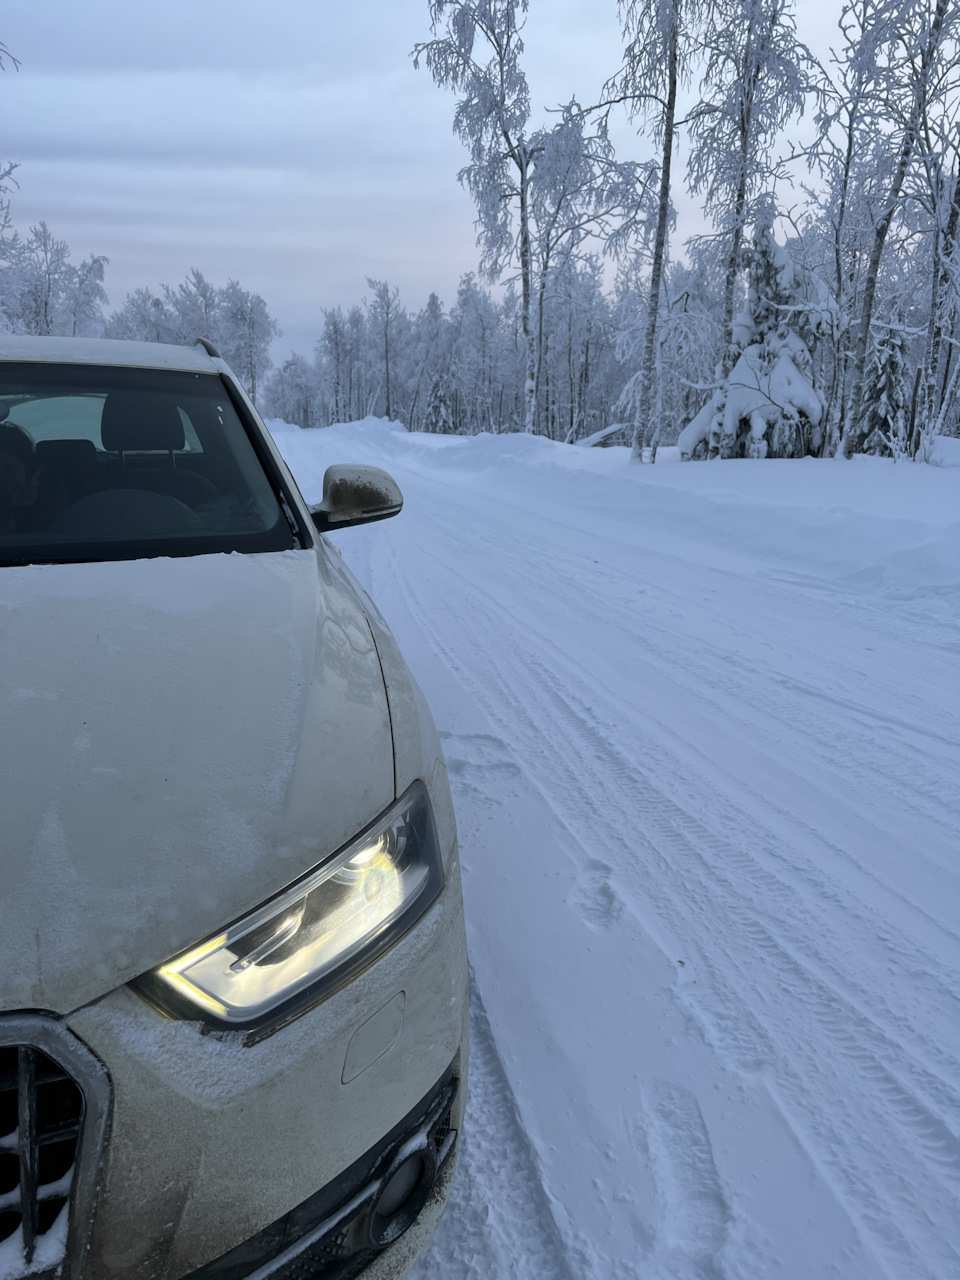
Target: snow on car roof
[(143, 355)]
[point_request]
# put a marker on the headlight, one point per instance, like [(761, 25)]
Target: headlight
[(270, 966)]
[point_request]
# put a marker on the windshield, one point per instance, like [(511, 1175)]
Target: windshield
[(102, 463)]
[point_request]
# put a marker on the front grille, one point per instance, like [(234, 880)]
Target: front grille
[(41, 1113), (50, 1089)]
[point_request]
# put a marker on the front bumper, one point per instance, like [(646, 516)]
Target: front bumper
[(340, 1230)]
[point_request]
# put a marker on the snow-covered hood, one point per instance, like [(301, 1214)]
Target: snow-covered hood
[(179, 738)]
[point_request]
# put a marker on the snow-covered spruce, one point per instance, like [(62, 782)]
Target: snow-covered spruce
[(768, 405)]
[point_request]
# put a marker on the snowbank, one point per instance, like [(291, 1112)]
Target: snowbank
[(868, 522), (945, 451)]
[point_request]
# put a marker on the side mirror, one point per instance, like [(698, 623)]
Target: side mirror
[(355, 495)]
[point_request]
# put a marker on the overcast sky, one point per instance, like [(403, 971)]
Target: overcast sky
[(290, 145)]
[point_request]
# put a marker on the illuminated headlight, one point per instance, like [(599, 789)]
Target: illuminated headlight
[(316, 934)]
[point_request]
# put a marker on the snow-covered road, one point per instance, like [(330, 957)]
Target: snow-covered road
[(703, 728)]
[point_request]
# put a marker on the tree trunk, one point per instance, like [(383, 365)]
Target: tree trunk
[(941, 295), (851, 431), (645, 421), (526, 297), (837, 404), (386, 361), (728, 355), (540, 345)]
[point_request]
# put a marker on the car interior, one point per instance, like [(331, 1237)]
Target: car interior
[(132, 457)]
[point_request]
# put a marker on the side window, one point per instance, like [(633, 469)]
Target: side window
[(59, 418), (191, 441)]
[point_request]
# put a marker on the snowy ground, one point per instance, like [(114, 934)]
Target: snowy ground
[(703, 728)]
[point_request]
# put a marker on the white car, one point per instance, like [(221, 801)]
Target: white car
[(233, 981)]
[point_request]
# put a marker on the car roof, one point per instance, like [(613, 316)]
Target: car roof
[(109, 351)]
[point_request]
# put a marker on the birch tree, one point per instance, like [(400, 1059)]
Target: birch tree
[(6, 167), (245, 330), (384, 318), (917, 40), (43, 292), (332, 353), (756, 79), (539, 195), (579, 194), (237, 321), (844, 152), (935, 190), (294, 393), (478, 56), (658, 59)]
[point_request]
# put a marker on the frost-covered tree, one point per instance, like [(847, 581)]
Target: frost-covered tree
[(767, 406), (363, 381), (245, 330), (41, 291), (234, 319), (294, 393), (437, 417), (178, 314), (935, 190), (913, 49), (658, 59), (388, 321), (756, 78), (687, 341), (7, 167), (44, 281), (886, 401), (579, 193), (142, 318), (476, 52), (845, 152), (193, 309), (582, 377), (86, 298), (333, 355), (430, 332), (485, 382), (540, 194)]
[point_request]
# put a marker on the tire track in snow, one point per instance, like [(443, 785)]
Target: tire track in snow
[(580, 722), (881, 772), (515, 1236)]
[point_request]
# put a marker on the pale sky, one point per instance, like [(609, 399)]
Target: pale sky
[(290, 145)]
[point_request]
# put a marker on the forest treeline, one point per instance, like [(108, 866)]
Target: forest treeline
[(819, 313)]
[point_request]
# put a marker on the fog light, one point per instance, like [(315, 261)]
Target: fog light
[(406, 1187), (400, 1188)]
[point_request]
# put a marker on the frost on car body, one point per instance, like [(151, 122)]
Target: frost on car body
[(200, 711)]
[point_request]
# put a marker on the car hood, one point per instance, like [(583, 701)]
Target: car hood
[(179, 739)]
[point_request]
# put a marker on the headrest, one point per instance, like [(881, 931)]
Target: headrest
[(140, 420), (72, 454)]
